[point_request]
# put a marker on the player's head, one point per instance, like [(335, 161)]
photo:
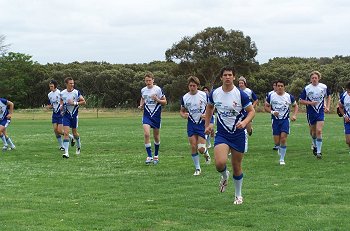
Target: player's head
[(242, 82), (53, 84), (69, 81), (315, 77), (227, 69), (149, 79), (280, 86), (193, 83), (274, 85), (206, 89)]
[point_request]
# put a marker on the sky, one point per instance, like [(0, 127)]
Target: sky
[(140, 31)]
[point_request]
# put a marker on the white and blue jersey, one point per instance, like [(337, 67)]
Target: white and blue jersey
[(4, 112), (315, 93), (345, 101), (252, 97), (281, 104), (54, 101), (70, 112), (195, 105), (230, 108), (152, 109)]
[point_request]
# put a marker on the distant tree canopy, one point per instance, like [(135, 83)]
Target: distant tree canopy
[(209, 50), (25, 82), (3, 46)]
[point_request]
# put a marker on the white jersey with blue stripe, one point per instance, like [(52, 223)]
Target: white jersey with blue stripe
[(152, 107), (252, 96), (315, 93), (230, 107), (73, 95), (345, 101), (280, 103), (195, 105), (54, 100), (3, 109)]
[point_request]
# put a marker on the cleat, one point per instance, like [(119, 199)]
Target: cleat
[(207, 159), (77, 151), (148, 160), (65, 156), (4, 148), (223, 182), (155, 160), (197, 172), (72, 142), (319, 155), (13, 147), (314, 151), (238, 201), (61, 148), (275, 147), (282, 162)]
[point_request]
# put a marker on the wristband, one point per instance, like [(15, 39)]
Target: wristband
[(272, 112)]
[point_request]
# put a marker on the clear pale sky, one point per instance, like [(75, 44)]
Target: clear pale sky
[(140, 31)]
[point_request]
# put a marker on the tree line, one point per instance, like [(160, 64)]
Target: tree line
[(25, 82)]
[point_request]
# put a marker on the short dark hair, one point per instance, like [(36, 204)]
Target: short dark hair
[(280, 81), (227, 68), (54, 83), (68, 79), (205, 87)]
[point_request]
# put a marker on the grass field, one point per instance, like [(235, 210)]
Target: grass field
[(108, 187)]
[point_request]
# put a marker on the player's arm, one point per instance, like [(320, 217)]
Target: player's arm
[(208, 115), (296, 109), (249, 118), (81, 100), (142, 102), (162, 101), (342, 112), (183, 112), (255, 103), (10, 105), (327, 103)]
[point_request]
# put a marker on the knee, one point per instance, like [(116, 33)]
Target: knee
[(201, 148)]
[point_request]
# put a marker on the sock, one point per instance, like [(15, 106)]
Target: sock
[(71, 136), (224, 173), (77, 138), (3, 140), (195, 158), (238, 180), (66, 145), (314, 141), (206, 152), (156, 148), (319, 145), (282, 151), (148, 149), (9, 141), (59, 140)]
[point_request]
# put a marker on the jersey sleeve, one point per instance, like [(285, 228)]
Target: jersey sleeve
[(245, 100), (303, 95), (254, 97)]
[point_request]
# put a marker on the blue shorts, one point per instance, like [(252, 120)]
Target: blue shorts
[(5, 122), (56, 119), (235, 141), (347, 128), (69, 121), (279, 126), (195, 129), (153, 122), (312, 119)]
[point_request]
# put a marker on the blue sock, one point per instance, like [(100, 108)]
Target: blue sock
[(148, 149), (66, 145), (156, 148), (77, 138), (195, 158), (319, 145), (282, 150)]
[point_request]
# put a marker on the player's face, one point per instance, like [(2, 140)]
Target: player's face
[(227, 78), (274, 87), (280, 88), (149, 81), (52, 87), (206, 91), (314, 79), (241, 84), (192, 87), (70, 85)]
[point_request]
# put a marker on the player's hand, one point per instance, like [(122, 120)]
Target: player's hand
[(203, 116), (293, 118), (209, 129), (326, 109), (154, 97), (9, 116), (313, 103), (241, 125), (346, 119), (186, 115), (140, 107)]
